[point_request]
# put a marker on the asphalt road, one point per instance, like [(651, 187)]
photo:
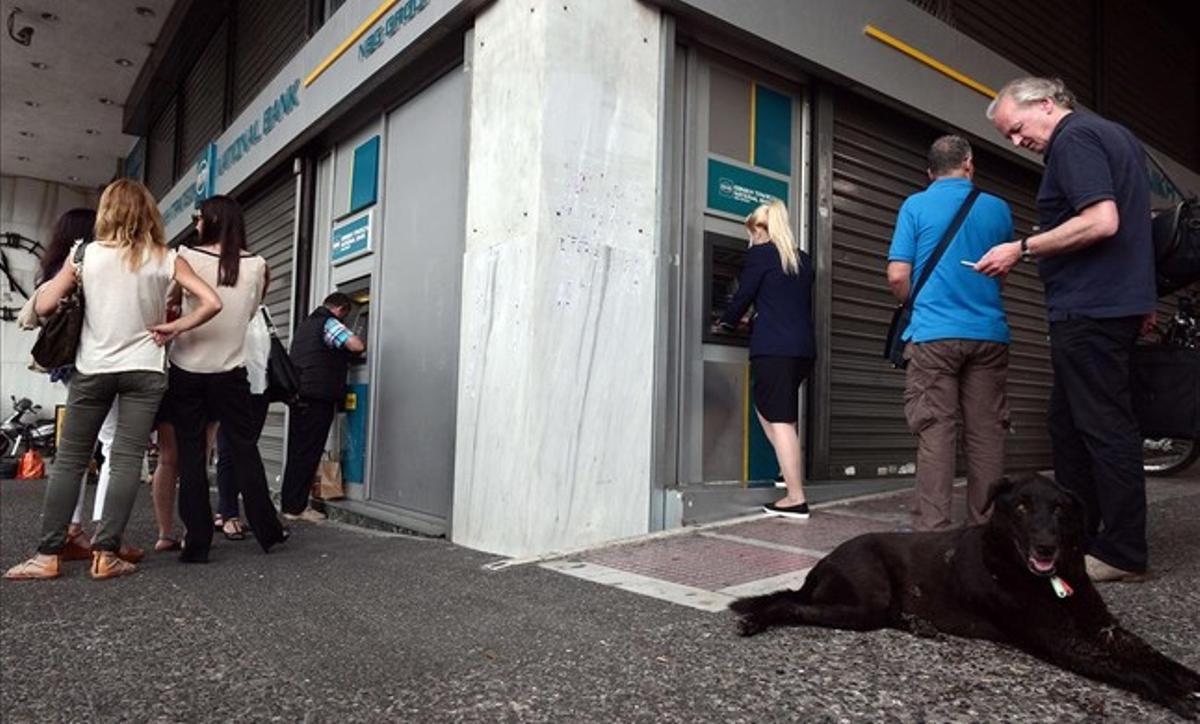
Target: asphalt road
[(341, 624)]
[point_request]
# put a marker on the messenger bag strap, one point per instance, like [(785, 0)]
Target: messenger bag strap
[(266, 314), (942, 246)]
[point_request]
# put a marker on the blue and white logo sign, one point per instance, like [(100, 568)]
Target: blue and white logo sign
[(351, 238), (206, 173)]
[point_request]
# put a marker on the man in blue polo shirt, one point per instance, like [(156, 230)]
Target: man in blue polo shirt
[(1096, 259), (958, 338)]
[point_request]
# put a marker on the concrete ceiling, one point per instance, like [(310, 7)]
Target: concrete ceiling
[(53, 123)]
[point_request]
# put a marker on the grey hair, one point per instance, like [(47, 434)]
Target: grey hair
[(948, 153), (1031, 90)]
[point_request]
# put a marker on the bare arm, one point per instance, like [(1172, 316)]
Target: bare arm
[(53, 291), (207, 304), (266, 283), (355, 344), (899, 276), (1095, 223)]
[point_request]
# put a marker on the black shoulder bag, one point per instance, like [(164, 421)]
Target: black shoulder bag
[(283, 383), (893, 348), (58, 340)]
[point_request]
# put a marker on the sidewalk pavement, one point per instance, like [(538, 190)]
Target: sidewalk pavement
[(343, 624)]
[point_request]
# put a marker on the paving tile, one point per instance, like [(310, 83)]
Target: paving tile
[(821, 532), (701, 562)]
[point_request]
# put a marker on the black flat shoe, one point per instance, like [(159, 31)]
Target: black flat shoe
[(800, 512), (284, 534), (192, 555)]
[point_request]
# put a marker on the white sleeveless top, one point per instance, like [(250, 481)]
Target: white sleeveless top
[(119, 305), (219, 344)]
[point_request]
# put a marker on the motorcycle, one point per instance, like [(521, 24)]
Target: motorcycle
[(18, 434), (1170, 455)]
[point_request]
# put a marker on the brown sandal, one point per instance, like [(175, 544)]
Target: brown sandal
[(34, 570)]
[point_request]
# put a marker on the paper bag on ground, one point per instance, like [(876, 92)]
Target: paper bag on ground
[(327, 485)]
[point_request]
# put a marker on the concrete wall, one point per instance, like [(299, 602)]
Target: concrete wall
[(556, 357), (29, 207)]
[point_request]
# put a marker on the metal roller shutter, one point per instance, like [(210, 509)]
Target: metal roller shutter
[(1151, 87), (878, 161), (1048, 39), (268, 33), (160, 153), (270, 232), (202, 111)]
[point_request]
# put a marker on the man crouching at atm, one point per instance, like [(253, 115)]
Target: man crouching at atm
[(322, 349)]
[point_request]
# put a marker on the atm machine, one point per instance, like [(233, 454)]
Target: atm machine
[(353, 421), (735, 447)]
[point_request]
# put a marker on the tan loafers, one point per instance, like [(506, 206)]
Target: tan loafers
[(1101, 572)]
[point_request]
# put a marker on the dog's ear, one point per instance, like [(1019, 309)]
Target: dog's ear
[(1000, 489)]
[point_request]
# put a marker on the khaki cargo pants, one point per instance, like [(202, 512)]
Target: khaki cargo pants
[(951, 380)]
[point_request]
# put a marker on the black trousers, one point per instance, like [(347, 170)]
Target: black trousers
[(308, 427), (227, 487), (1096, 438), (225, 397)]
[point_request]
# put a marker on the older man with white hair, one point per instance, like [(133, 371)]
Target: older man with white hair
[(1096, 259)]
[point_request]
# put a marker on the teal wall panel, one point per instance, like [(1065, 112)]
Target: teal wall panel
[(772, 130), (364, 178)]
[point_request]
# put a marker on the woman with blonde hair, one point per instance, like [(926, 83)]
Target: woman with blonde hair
[(124, 275), (777, 279)]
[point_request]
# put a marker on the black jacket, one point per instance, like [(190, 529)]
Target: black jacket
[(783, 323)]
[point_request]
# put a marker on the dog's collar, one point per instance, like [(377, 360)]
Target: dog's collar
[(1061, 588)]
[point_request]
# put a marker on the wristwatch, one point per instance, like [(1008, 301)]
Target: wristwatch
[(1026, 254)]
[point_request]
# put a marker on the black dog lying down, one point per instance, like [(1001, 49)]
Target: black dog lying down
[(1019, 579)]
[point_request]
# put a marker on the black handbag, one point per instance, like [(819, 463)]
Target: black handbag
[(893, 346), (58, 340), (1166, 391), (283, 382), (1176, 235)]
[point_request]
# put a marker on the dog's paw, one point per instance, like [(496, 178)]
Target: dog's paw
[(749, 625), (1187, 705)]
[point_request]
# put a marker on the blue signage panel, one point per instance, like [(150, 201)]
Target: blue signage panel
[(739, 191), (364, 176), (351, 239), (206, 174)]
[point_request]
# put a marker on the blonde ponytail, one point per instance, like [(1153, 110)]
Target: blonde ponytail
[(774, 217)]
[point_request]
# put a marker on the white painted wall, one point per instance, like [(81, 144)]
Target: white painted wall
[(29, 207), (556, 354)]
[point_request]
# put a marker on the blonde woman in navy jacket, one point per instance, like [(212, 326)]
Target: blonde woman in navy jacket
[(777, 279)]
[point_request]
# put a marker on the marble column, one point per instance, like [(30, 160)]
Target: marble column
[(556, 356)]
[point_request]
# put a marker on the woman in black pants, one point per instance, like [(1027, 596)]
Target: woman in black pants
[(208, 381), (777, 278)]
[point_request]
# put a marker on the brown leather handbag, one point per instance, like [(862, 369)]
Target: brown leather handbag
[(58, 340)]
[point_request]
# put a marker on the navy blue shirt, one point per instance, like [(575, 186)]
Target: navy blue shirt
[(1090, 159), (782, 304)]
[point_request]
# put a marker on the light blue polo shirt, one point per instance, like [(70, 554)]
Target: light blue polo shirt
[(957, 302)]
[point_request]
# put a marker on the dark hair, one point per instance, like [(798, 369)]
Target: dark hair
[(947, 154), (338, 299), (72, 226), (223, 224)]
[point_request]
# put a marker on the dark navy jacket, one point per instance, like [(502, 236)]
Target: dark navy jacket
[(783, 323)]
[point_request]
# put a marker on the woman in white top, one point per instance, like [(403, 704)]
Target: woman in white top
[(208, 381), (124, 276)]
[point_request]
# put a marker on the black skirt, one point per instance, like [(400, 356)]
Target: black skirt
[(777, 385)]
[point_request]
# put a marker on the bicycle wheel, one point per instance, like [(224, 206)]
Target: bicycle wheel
[(1168, 455)]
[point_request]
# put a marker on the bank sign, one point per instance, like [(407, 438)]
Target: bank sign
[(351, 238), (738, 191), (215, 162), (370, 34)]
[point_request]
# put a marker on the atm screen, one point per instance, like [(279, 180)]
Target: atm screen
[(723, 259)]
